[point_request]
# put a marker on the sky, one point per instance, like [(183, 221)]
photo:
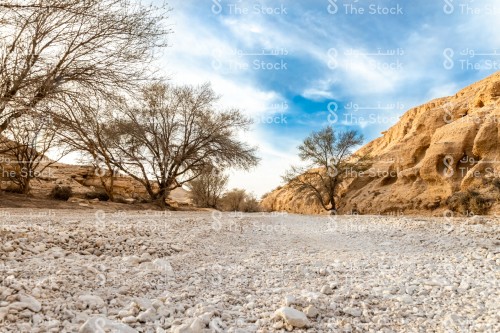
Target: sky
[(298, 66)]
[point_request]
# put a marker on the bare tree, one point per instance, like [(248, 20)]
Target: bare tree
[(55, 51), (330, 160), (86, 128), (174, 135), (25, 145), (207, 189)]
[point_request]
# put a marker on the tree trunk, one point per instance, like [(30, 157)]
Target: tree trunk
[(333, 207), (162, 196)]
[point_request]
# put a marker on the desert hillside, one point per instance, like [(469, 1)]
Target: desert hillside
[(85, 180), (445, 146)]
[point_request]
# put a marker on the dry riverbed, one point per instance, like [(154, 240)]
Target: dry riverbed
[(97, 271)]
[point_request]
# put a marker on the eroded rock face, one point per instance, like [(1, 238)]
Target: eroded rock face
[(84, 179), (447, 145)]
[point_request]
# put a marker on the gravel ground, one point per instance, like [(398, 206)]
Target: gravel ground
[(97, 271)]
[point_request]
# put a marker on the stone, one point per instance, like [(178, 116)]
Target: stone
[(290, 300), (3, 312), (196, 326), (130, 319), (217, 325), (463, 287), (26, 302), (311, 311), (90, 302), (30, 302), (355, 312), (132, 260), (163, 266), (327, 290), (147, 316), (405, 299), (292, 317)]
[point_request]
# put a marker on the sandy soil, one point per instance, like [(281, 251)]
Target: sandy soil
[(147, 271)]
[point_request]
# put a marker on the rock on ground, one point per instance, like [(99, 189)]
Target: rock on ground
[(199, 272)]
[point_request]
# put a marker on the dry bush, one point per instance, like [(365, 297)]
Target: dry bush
[(207, 189), (61, 193), (239, 200), (101, 195), (251, 205), (468, 203)]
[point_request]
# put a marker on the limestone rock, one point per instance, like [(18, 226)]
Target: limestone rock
[(311, 311), (30, 302), (90, 301), (292, 317)]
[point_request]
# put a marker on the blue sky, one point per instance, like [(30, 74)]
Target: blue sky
[(297, 66)]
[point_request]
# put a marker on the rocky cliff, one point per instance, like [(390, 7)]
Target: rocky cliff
[(445, 146), (83, 180)]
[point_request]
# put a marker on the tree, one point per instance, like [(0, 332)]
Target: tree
[(207, 189), (233, 200), (55, 52), (330, 161), (238, 200), (86, 128), (25, 143), (174, 133)]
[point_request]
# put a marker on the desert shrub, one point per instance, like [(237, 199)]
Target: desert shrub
[(101, 195), (250, 205), (478, 204), (239, 200), (13, 189), (61, 193), (496, 183), (467, 203), (207, 189)]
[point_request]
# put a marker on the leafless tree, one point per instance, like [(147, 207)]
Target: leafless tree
[(54, 51), (174, 134), (331, 160), (207, 189), (25, 145), (86, 129)]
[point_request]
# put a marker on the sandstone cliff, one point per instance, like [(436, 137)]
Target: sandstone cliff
[(447, 145), (85, 179)]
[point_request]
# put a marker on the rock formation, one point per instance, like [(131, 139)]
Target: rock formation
[(84, 179), (447, 145)]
